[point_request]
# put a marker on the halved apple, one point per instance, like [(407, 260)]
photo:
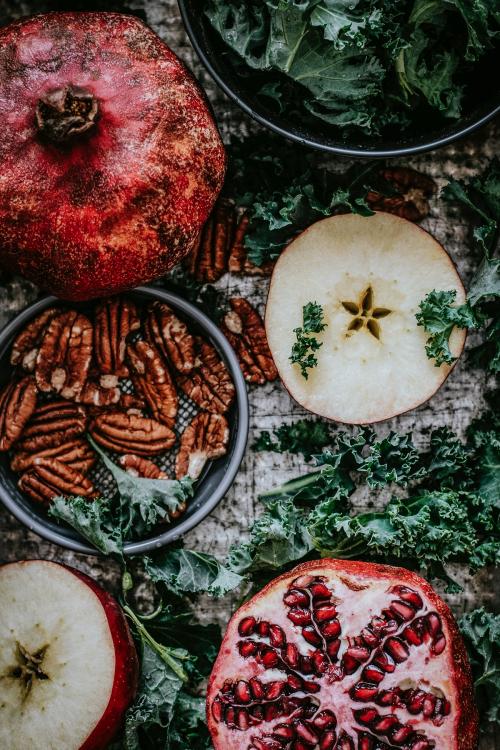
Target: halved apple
[(369, 274), (68, 666)]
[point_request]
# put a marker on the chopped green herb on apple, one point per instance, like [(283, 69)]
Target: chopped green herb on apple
[(306, 344)]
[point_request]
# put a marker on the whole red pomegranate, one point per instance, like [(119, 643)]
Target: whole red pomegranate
[(344, 655), (111, 161)]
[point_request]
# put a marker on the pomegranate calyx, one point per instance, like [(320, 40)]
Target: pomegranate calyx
[(66, 113)]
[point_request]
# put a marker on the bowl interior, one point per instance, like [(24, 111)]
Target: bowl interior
[(217, 475), (427, 130)]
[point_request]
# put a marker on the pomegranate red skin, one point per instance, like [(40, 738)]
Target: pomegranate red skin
[(465, 732), (126, 669), (123, 203)]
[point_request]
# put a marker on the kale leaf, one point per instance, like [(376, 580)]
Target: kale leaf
[(306, 436), (439, 316), (481, 632), (187, 571)]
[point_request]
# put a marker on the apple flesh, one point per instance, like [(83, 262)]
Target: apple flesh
[(369, 274), (68, 666)]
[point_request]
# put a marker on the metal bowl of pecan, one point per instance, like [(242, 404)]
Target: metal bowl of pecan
[(153, 383)]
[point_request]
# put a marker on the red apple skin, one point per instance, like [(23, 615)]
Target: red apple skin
[(122, 204), (126, 670)]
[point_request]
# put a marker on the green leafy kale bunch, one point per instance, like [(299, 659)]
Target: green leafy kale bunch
[(365, 64)]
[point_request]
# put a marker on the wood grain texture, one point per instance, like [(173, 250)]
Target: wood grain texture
[(460, 399)]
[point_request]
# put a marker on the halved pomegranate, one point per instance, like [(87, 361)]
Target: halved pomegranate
[(346, 655), (111, 160)]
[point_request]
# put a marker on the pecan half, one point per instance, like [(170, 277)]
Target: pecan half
[(77, 453), (171, 337), (414, 190), (63, 360), (52, 424), (208, 261), (152, 380), (98, 395), (17, 404), (209, 385), (129, 433), (238, 261), (139, 466), (27, 344), (115, 320), (245, 331), (205, 438), (47, 478)]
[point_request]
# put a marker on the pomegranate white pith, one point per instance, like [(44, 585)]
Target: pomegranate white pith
[(344, 655), (68, 668), (372, 363)]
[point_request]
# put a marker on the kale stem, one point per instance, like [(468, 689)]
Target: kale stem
[(164, 652)]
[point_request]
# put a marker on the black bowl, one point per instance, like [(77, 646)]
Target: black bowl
[(213, 483), (482, 105)]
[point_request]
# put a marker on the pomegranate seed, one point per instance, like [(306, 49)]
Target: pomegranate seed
[(345, 742), (217, 710), (247, 648), (401, 734), (446, 707), (277, 636), (384, 661), (257, 688), (242, 719), (371, 673), (299, 616), (227, 687), (306, 665), (310, 708), (320, 662), (311, 687), (439, 645), (325, 612), (292, 655), (390, 626), (411, 635), (296, 598), (421, 744), (331, 629), (363, 691), (332, 648), (247, 626), (284, 732), (402, 611), (242, 692), (302, 582), (266, 744), (366, 715), (349, 663), (365, 742), (230, 715), (324, 720), (416, 701), (370, 638), (310, 635), (408, 595), (305, 733), (320, 591), (438, 710), (294, 682), (385, 723), (271, 711), (263, 629), (298, 745), (360, 653), (397, 649), (433, 622), (270, 659), (377, 624), (274, 689), (388, 697), (429, 704), (327, 741)]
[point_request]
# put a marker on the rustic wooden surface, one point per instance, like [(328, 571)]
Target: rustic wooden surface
[(460, 399)]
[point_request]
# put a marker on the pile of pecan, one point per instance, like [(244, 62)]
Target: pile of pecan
[(71, 377)]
